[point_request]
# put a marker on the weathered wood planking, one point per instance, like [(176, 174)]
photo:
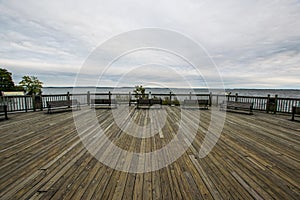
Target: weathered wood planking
[(42, 157)]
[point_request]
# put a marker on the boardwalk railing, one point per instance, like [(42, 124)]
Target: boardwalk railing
[(17, 103), (33, 103), (268, 104)]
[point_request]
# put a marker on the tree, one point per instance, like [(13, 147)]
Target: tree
[(31, 85), (6, 82), (139, 92)]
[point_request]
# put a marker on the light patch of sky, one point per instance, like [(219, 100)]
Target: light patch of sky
[(255, 44)]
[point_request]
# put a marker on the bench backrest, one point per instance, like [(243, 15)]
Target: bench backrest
[(156, 101), (144, 101), (103, 101), (296, 110), (190, 102), (196, 102), (3, 108), (61, 103), (203, 102), (239, 104)]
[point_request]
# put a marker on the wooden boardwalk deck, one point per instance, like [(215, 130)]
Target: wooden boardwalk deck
[(256, 157)]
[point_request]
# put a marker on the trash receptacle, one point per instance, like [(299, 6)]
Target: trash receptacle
[(272, 105), (38, 102)]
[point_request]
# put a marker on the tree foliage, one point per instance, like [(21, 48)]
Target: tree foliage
[(139, 92), (32, 85), (6, 81)]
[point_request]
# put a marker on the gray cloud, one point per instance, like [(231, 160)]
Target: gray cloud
[(254, 43)]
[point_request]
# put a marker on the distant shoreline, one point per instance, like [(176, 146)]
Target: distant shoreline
[(290, 93), (286, 89)]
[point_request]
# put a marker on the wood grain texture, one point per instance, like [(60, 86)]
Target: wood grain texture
[(42, 157)]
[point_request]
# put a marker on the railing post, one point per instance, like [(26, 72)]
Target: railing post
[(210, 99), (275, 106), (217, 100), (129, 98), (88, 98), (109, 97), (25, 101), (149, 96), (268, 104), (236, 97), (228, 96), (41, 102), (170, 102), (190, 95), (68, 96), (33, 102)]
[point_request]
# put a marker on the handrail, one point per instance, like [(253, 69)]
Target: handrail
[(32, 102)]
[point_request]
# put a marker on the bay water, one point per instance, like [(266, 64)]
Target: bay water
[(283, 93)]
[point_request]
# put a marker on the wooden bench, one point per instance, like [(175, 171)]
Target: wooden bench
[(108, 102), (237, 106), (62, 104), (3, 110), (132, 102), (200, 103), (148, 102), (143, 102), (295, 111), (156, 102)]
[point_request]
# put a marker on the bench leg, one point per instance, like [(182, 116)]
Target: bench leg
[(293, 116), (293, 113), (5, 112)]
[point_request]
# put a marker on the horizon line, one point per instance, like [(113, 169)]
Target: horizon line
[(172, 87)]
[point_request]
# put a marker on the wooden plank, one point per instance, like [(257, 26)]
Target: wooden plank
[(246, 186), (205, 177), (255, 157)]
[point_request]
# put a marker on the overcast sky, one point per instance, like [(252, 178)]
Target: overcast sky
[(254, 44)]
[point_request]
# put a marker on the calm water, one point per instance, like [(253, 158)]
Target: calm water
[(243, 92)]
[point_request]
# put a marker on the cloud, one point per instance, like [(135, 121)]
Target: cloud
[(254, 43)]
